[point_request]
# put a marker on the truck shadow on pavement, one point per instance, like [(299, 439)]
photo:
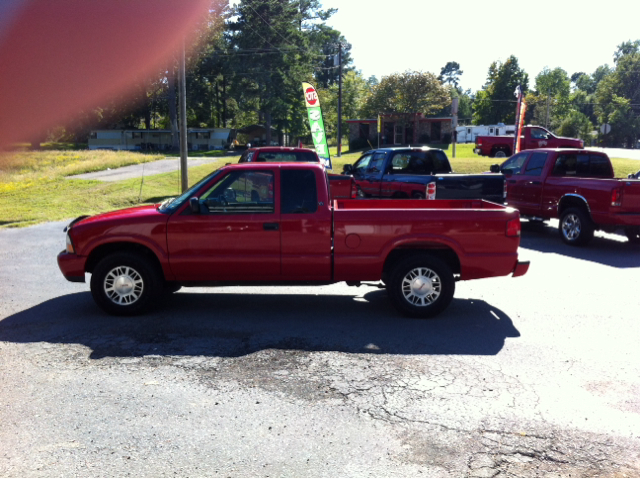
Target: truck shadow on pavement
[(614, 250), (233, 325)]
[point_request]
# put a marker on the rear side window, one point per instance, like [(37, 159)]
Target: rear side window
[(536, 164), (582, 165), (599, 166), (420, 163), (298, 192), (566, 165)]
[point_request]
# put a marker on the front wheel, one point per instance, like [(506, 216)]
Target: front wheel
[(576, 228), (125, 284), (421, 286)]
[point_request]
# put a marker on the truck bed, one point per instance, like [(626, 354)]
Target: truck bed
[(366, 231)]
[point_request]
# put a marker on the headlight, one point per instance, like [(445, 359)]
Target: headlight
[(70, 248)]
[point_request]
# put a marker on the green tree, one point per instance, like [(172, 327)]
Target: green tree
[(495, 103), (407, 93), (450, 73), (550, 102)]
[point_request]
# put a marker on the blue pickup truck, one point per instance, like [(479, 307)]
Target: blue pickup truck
[(420, 172)]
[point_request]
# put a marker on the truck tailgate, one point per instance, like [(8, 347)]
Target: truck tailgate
[(486, 186), (630, 196)]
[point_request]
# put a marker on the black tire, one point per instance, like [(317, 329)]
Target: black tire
[(140, 284), (417, 195), (170, 287), (633, 234), (499, 154), (576, 227), (422, 269)]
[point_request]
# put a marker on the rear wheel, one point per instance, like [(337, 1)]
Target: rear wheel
[(576, 227), (125, 284), (421, 286), (500, 154)]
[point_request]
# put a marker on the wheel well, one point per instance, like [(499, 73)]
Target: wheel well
[(572, 202), (504, 148), (106, 249), (442, 252)]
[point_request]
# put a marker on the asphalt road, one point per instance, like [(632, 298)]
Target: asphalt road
[(531, 376)]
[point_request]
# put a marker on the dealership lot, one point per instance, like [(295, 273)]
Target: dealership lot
[(532, 376)]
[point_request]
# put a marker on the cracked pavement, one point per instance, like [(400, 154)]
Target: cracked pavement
[(530, 377)]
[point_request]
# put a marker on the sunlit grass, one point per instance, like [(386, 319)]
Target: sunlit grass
[(33, 187)]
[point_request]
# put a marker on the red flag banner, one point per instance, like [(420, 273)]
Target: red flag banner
[(523, 110)]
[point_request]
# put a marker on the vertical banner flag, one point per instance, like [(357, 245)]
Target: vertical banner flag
[(523, 110), (379, 130), (516, 138), (316, 124)]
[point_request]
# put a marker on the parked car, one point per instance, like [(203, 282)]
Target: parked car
[(532, 137), (420, 173), (577, 186), (273, 224), (341, 186)]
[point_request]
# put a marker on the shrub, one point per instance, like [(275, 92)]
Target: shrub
[(446, 138)]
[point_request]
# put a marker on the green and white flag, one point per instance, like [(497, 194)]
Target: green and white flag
[(316, 124)]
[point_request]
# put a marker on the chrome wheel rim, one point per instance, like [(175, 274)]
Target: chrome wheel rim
[(123, 285), (571, 227), (421, 286)]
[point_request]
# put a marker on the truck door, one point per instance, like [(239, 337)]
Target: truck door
[(530, 184), (367, 173), (511, 169), (305, 216), (236, 234)]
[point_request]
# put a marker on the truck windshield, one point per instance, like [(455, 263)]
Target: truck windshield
[(171, 204), (420, 162)]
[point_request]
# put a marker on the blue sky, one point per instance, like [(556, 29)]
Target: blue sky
[(397, 35)]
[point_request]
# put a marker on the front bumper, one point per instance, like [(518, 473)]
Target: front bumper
[(521, 268), (72, 266)]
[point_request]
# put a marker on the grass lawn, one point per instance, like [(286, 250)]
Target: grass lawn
[(33, 188)]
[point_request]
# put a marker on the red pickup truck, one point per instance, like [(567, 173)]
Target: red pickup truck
[(532, 137), (273, 224), (576, 186)]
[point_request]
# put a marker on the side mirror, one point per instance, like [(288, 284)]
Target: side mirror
[(347, 169), (194, 204), (494, 168)]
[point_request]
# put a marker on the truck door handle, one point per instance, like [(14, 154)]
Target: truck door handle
[(534, 183), (512, 181), (270, 226)]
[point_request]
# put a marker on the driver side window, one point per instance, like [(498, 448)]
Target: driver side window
[(514, 164), (538, 134), (240, 192), (362, 164)]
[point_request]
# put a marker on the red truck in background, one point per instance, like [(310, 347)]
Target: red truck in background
[(577, 186), (273, 224), (342, 186), (532, 137)]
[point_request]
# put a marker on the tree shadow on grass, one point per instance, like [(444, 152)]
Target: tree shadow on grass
[(233, 325)]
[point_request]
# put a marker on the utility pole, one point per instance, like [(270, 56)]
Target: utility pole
[(184, 173), (340, 100), (546, 125)]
